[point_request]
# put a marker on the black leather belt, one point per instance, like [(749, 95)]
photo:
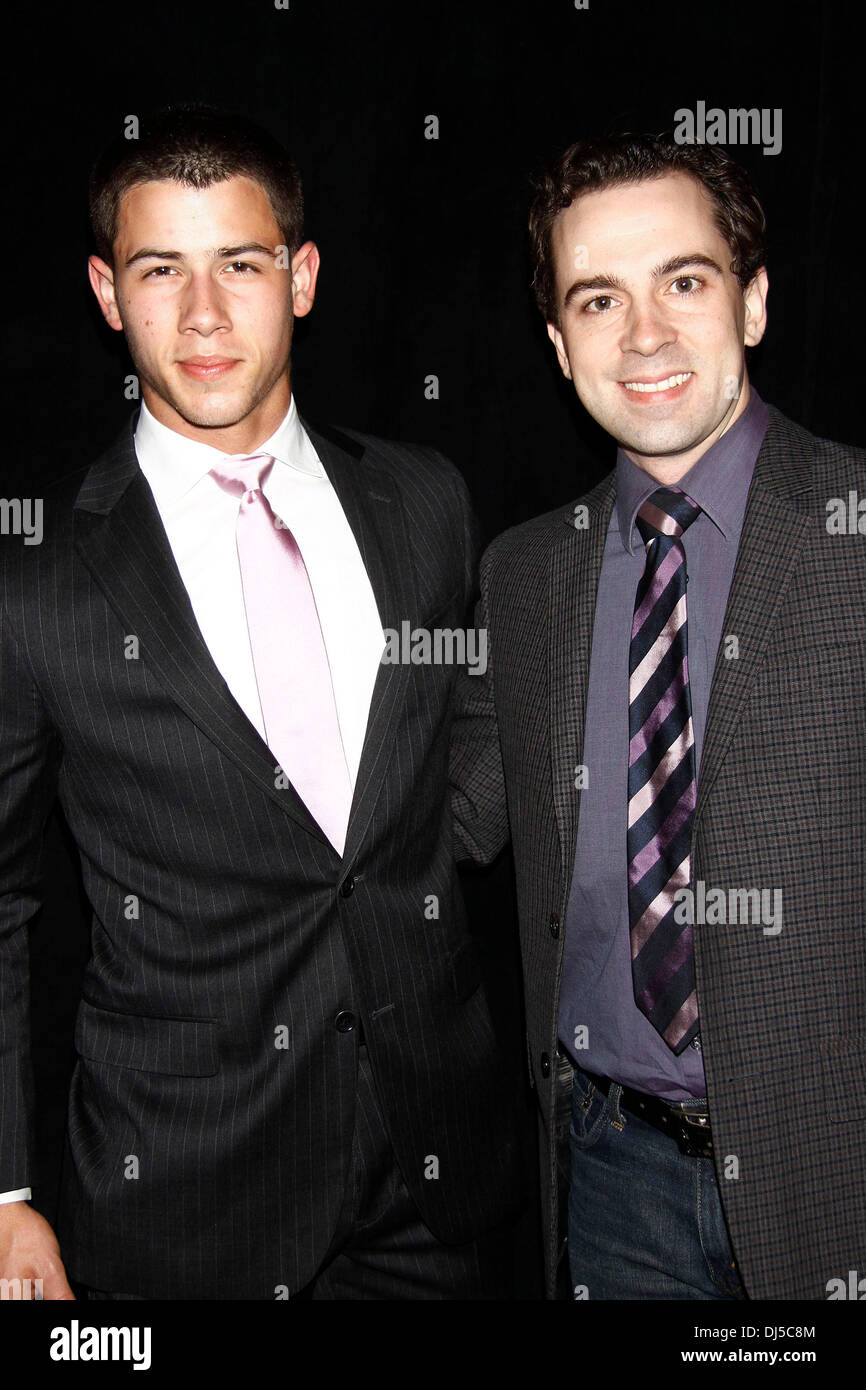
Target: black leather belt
[(690, 1128)]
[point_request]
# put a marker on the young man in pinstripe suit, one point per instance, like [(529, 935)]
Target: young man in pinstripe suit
[(670, 730), (287, 1082)]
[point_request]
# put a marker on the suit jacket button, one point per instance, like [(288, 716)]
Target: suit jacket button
[(554, 924), (344, 1022), (348, 887), (545, 1064)]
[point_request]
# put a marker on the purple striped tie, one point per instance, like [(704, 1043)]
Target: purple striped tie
[(662, 784)]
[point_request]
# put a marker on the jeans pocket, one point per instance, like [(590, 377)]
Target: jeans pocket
[(589, 1113)]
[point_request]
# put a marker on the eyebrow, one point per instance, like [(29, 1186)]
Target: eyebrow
[(613, 282), (148, 253)]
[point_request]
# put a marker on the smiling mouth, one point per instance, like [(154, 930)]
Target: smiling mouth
[(650, 387)]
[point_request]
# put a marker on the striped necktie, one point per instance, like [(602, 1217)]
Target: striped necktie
[(662, 784)]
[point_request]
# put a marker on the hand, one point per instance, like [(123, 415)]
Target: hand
[(29, 1251)]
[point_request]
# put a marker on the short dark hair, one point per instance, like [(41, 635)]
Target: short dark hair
[(197, 145), (611, 161)]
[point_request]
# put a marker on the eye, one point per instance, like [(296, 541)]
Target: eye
[(690, 282), (242, 266), (604, 301), (157, 272)]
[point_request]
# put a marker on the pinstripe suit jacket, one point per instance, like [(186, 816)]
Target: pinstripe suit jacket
[(781, 804), (202, 1159)]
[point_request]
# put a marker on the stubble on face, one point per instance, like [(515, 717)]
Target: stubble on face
[(203, 305), (210, 407)]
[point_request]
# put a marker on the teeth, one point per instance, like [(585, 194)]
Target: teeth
[(657, 385)]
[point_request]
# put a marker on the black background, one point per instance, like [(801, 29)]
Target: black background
[(424, 270)]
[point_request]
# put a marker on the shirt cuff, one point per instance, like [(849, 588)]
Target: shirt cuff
[(21, 1194)]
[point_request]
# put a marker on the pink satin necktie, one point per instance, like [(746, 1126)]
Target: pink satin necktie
[(289, 655)]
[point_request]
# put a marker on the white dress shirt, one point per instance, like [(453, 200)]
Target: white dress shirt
[(199, 519)]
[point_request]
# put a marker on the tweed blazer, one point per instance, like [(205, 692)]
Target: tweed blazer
[(781, 804)]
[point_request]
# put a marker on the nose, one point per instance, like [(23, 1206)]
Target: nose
[(647, 328), (202, 307)]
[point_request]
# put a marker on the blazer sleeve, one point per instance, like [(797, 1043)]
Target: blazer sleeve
[(30, 756), (476, 775)]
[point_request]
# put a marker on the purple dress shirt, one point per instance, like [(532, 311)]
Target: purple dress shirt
[(600, 1026)]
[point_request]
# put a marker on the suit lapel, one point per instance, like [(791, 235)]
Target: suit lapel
[(575, 566), (775, 528), (120, 537), (371, 502)]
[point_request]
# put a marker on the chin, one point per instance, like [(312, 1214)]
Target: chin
[(206, 414), (657, 442)]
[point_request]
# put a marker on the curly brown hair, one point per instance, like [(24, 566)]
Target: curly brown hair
[(610, 161)]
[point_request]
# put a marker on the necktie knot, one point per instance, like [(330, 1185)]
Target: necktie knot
[(242, 473), (666, 512)]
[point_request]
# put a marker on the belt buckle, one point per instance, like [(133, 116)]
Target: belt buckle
[(699, 1144)]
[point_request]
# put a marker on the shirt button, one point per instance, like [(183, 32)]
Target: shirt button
[(554, 924), (344, 1022), (545, 1064), (348, 887)]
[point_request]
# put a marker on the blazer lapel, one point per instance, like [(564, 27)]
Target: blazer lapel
[(371, 502), (775, 528), (575, 567), (120, 537)]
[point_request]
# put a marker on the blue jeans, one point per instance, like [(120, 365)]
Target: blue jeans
[(644, 1220)]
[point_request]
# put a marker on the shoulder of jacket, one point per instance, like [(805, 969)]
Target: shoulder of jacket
[(784, 434), (536, 537), (401, 458)]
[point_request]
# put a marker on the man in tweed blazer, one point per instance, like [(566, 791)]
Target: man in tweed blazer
[(288, 1081), (733, 1167)]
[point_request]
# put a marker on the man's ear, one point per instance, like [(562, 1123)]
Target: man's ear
[(555, 337), (305, 272), (755, 299), (101, 278)]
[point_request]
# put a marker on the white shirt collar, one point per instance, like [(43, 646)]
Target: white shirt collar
[(173, 464)]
